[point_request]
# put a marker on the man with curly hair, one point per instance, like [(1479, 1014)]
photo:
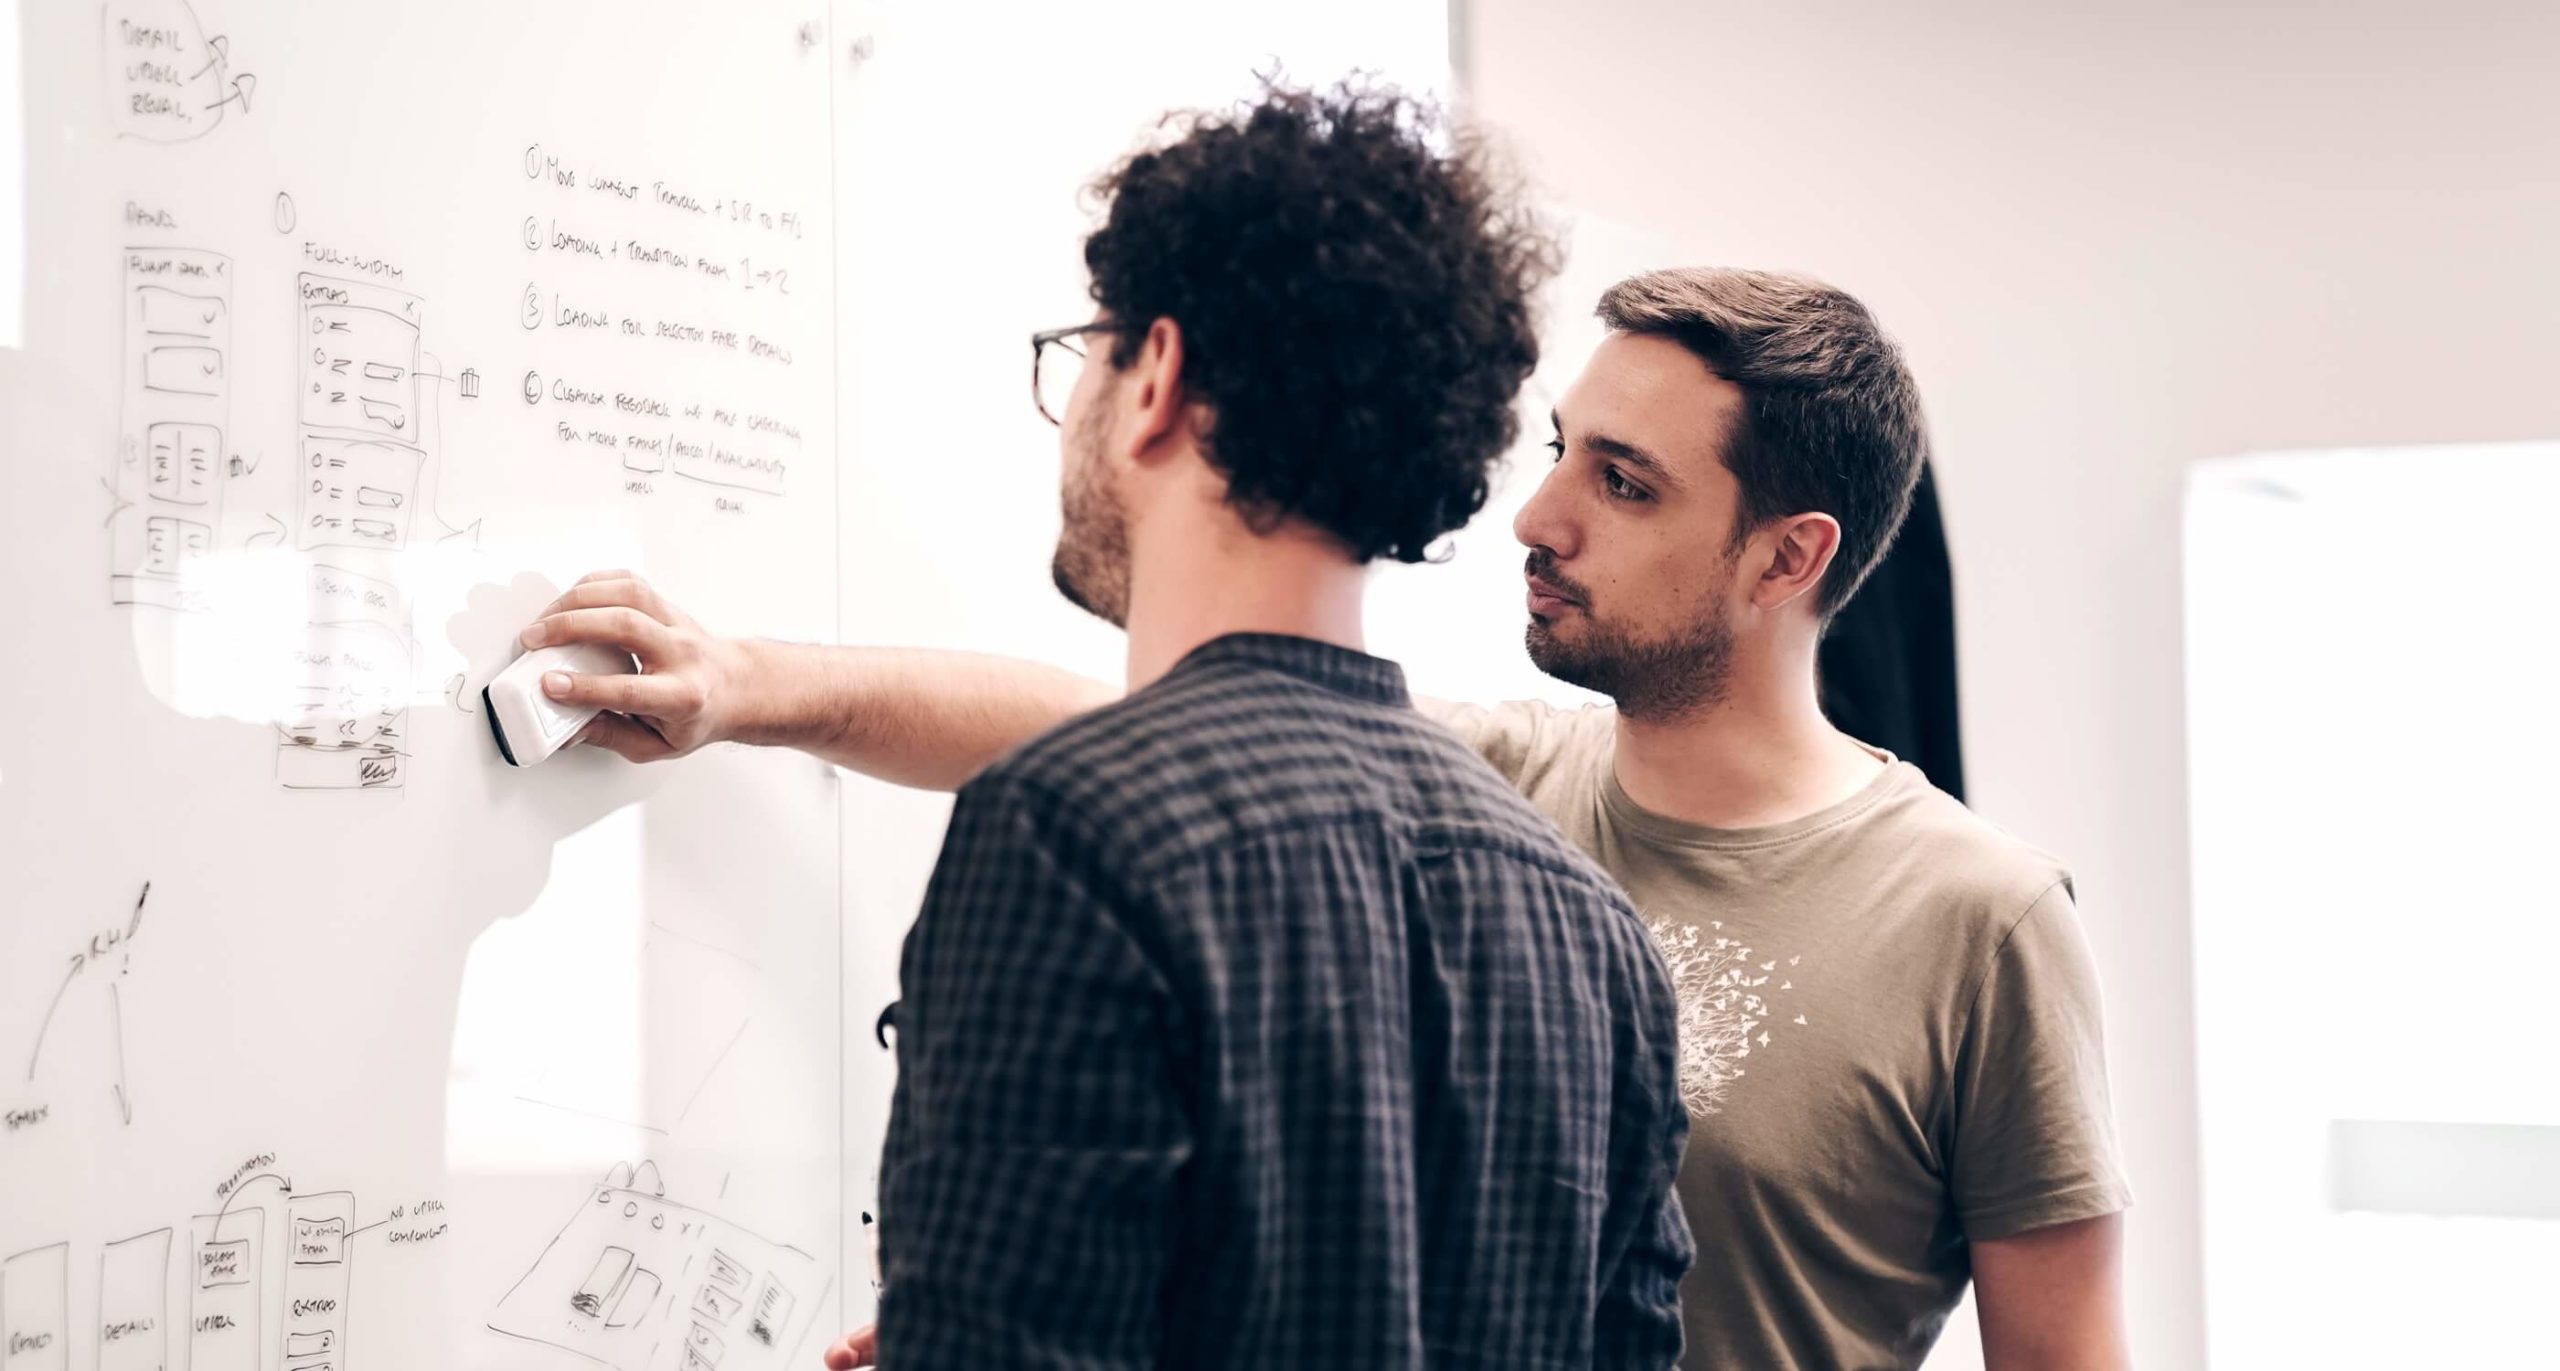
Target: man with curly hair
[(1252, 1020)]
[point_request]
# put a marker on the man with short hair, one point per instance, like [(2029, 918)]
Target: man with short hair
[(1890, 1027), (1251, 1021)]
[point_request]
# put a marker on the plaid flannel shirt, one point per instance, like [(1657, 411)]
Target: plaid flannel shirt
[(1253, 1021)]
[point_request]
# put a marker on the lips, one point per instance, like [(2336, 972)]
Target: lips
[(1546, 597)]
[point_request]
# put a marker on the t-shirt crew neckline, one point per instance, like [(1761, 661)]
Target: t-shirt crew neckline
[(1896, 777)]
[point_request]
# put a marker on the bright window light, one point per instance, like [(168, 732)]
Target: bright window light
[(2369, 665)]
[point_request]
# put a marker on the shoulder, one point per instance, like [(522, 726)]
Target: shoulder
[(1214, 757), (1222, 751), (1971, 859), (1531, 743)]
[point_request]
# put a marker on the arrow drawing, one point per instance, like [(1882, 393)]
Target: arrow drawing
[(115, 1002), (220, 46), (241, 86), (263, 535), (77, 962), (81, 961), (284, 1186)]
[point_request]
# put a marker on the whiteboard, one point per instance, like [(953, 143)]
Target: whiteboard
[(327, 1040)]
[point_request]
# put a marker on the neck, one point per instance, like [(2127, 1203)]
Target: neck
[(1762, 754), (1205, 576)]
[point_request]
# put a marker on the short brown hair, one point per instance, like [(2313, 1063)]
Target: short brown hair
[(1831, 420)]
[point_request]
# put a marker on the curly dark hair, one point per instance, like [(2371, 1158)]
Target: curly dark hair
[(1354, 305)]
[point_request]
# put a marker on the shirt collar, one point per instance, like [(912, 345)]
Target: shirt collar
[(1356, 674)]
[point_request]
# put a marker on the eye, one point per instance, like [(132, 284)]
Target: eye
[(1623, 489), (1556, 446)]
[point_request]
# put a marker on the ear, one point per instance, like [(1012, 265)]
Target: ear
[(1801, 548), (1158, 404)]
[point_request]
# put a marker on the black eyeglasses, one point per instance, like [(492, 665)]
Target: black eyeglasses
[(1063, 379)]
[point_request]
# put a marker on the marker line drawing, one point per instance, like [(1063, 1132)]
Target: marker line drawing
[(316, 1280), (133, 1302), (77, 961), (687, 1110), (124, 1101), (167, 478), (156, 91), (433, 490), (699, 479), (35, 1308), (226, 1288), (345, 725), (118, 942), (589, 1114), (616, 1286), (283, 1182), (707, 946)]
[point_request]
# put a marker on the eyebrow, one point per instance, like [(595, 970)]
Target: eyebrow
[(1620, 450)]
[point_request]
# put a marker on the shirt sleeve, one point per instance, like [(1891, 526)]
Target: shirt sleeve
[(1525, 740), (1027, 1183), (1637, 1323), (2034, 1132), (1639, 1314)]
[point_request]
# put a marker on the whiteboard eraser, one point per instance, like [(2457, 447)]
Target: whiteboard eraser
[(530, 725)]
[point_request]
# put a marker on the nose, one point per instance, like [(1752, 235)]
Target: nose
[(1544, 521)]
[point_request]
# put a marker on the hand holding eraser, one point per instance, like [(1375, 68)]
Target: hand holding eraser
[(530, 725)]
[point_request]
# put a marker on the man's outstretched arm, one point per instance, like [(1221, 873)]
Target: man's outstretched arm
[(913, 716)]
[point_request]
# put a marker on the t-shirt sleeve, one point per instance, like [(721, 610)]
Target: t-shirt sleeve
[(1524, 740), (2034, 1135)]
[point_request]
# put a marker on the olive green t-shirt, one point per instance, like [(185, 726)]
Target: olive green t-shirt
[(1890, 1045)]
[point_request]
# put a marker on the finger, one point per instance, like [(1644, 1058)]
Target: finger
[(852, 1350), (609, 574), (658, 697), (628, 629), (626, 593), (624, 737)]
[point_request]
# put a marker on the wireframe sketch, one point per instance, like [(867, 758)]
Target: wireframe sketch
[(226, 1278), (133, 1303), (360, 419), (358, 396), (177, 403), (316, 1281), (35, 1309), (347, 725), (639, 1283)]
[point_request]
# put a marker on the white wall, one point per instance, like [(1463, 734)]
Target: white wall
[(2115, 239), (13, 181)]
